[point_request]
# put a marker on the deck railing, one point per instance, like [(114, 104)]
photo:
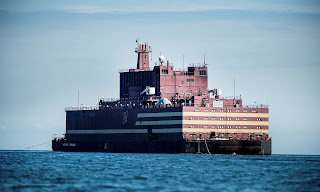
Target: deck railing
[(109, 99), (81, 108), (256, 106)]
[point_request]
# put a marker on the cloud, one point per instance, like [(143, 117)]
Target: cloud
[(127, 6), (90, 9), (99, 9)]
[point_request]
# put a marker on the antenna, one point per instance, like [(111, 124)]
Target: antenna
[(204, 58), (234, 87), (78, 98), (183, 62)]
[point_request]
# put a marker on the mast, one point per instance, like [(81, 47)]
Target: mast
[(143, 51)]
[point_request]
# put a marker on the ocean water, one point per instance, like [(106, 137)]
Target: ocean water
[(60, 171)]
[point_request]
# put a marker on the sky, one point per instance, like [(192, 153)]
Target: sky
[(50, 50)]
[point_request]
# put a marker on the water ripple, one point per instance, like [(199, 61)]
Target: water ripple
[(58, 171)]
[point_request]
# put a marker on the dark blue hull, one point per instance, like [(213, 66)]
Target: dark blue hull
[(196, 146), (145, 130)]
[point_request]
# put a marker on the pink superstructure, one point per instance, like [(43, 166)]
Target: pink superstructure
[(206, 114)]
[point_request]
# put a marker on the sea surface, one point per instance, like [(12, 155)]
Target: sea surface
[(61, 171)]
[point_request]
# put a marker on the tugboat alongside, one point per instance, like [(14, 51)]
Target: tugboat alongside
[(162, 110)]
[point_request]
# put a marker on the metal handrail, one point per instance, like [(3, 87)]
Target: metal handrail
[(256, 106), (82, 108), (109, 99), (230, 97)]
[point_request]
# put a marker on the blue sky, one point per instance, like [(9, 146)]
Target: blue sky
[(51, 49)]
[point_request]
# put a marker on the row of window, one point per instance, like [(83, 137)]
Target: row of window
[(229, 110), (190, 80), (229, 118), (164, 71), (229, 126), (237, 110), (237, 127), (202, 72)]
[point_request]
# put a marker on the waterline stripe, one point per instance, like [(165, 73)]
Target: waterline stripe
[(163, 114), (208, 130), (200, 114), (166, 122), (224, 114), (209, 122), (169, 130), (107, 131), (202, 122)]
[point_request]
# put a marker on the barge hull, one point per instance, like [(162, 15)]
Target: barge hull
[(240, 147)]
